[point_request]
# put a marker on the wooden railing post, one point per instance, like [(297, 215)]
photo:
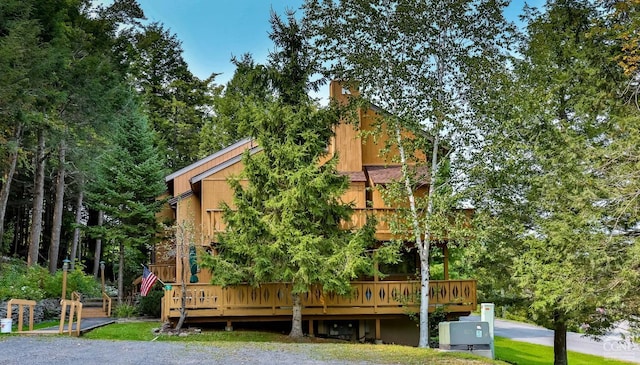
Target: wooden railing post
[(74, 306), (21, 303), (106, 304)]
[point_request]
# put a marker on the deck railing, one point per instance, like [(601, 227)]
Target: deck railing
[(274, 299), (106, 304), (164, 272), (75, 311)]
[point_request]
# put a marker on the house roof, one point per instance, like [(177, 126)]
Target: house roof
[(207, 159), (175, 199), (221, 166), (388, 174), (355, 176)]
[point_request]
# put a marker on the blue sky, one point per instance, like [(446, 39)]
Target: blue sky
[(211, 31)]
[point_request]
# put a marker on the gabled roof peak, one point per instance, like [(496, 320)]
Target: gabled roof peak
[(207, 159)]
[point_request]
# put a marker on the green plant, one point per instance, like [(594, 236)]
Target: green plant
[(18, 281), (5, 240), (151, 305), (35, 283), (77, 280), (435, 317), (125, 310)]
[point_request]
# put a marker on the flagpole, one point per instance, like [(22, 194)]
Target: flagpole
[(162, 282)]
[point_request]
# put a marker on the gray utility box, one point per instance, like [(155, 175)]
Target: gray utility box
[(465, 336)]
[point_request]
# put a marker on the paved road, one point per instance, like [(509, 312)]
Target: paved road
[(611, 346)]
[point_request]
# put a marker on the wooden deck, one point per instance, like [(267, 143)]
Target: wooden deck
[(369, 299)]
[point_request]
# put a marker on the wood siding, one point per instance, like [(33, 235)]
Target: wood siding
[(356, 195)]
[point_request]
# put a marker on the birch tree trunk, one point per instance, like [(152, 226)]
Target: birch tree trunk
[(38, 202), (425, 250), (421, 244), (54, 247), (7, 178)]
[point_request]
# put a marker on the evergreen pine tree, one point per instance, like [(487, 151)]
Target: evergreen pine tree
[(126, 186), (284, 226)]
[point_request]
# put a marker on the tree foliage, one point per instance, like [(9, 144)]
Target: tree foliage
[(548, 169), (177, 102), (127, 185), (425, 64), (250, 81), (283, 225)]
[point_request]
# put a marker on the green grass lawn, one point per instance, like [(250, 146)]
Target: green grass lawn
[(522, 353), (36, 326), (507, 350), (41, 325)]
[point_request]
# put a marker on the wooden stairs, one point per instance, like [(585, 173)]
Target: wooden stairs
[(94, 308)]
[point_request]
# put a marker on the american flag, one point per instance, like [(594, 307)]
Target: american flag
[(148, 279)]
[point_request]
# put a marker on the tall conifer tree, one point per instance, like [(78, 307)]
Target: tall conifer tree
[(126, 187), (285, 223)]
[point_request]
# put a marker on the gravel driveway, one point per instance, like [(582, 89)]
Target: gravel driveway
[(73, 350)]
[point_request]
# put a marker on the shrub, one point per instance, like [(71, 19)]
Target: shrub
[(35, 283), (18, 281), (151, 305), (125, 310)]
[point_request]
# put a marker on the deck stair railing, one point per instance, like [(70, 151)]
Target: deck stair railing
[(75, 311), (106, 304)]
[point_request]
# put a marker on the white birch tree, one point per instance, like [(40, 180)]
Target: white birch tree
[(421, 62)]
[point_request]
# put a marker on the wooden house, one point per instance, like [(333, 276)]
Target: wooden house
[(377, 309)]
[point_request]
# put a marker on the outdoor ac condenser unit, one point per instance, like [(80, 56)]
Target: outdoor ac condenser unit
[(465, 336)]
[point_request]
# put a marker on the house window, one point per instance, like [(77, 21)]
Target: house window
[(408, 266)]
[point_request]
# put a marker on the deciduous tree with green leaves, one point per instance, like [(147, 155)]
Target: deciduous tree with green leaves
[(550, 176), (424, 63)]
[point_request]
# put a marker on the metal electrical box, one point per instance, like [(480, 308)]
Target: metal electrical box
[(466, 336)]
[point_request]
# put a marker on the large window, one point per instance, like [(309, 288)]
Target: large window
[(407, 268)]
